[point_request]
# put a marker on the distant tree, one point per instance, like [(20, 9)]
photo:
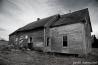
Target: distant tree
[(95, 42), (2, 39)]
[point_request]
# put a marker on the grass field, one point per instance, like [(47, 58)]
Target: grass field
[(27, 57)]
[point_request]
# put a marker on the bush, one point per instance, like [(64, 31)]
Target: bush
[(6, 47)]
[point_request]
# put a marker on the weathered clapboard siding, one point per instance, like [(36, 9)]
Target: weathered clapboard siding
[(88, 36), (37, 37), (75, 38), (73, 28), (46, 35)]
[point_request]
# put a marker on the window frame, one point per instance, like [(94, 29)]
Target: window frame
[(48, 41), (66, 40)]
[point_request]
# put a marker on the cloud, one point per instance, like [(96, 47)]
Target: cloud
[(1, 5), (2, 29), (95, 3), (17, 13), (72, 4), (1, 2)]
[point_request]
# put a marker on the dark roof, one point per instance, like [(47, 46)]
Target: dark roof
[(73, 17), (39, 23), (65, 19), (36, 24)]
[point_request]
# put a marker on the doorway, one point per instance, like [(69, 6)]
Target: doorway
[(30, 43)]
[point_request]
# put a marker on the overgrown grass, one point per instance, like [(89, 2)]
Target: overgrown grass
[(19, 57)]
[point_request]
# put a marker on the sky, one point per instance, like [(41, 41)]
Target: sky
[(17, 13)]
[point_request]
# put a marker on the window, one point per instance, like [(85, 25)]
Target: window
[(64, 41), (30, 39), (47, 41)]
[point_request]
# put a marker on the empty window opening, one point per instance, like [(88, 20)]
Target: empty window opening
[(64, 41), (47, 41)]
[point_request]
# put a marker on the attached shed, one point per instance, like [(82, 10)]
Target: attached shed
[(68, 33)]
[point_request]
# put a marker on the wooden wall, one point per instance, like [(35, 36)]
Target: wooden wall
[(78, 34), (88, 36), (37, 38), (75, 34)]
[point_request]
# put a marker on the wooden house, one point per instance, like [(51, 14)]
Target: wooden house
[(68, 33)]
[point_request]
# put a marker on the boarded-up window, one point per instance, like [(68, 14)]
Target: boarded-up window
[(64, 40)]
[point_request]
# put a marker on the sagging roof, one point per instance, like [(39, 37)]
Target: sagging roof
[(65, 19)]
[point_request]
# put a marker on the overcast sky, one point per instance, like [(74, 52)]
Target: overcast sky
[(17, 13)]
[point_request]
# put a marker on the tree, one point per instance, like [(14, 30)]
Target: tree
[(95, 42)]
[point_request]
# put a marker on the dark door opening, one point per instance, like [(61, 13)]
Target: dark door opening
[(47, 41), (30, 44)]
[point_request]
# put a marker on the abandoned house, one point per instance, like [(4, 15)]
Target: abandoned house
[(68, 33)]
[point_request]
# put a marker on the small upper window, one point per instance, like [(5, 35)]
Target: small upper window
[(65, 41)]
